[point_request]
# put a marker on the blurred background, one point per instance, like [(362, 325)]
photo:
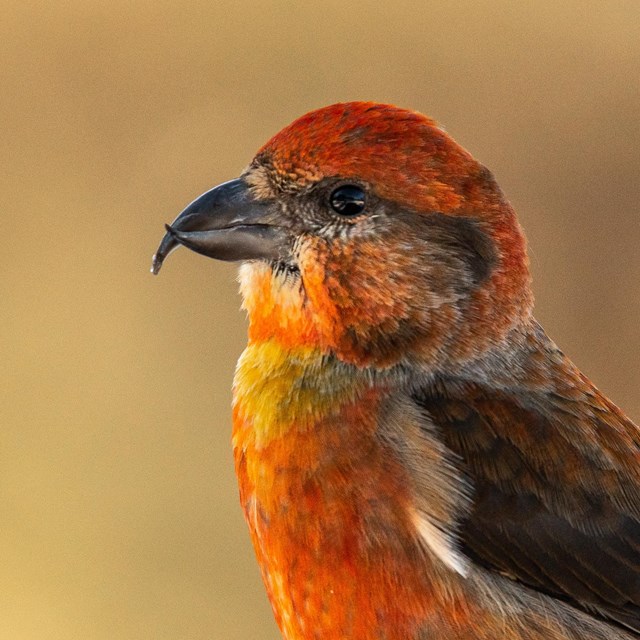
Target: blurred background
[(118, 505)]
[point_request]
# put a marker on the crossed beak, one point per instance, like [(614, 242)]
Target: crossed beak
[(226, 223)]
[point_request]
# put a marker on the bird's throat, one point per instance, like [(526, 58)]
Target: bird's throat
[(275, 303)]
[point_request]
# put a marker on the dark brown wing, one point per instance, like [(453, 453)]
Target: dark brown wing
[(556, 481)]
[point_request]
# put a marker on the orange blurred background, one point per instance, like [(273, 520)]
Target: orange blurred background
[(119, 514)]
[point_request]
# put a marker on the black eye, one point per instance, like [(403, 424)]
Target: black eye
[(347, 200)]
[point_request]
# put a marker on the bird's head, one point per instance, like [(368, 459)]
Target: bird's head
[(367, 232)]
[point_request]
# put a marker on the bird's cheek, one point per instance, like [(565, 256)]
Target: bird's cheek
[(352, 300), (326, 316)]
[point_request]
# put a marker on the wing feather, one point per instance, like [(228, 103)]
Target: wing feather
[(556, 481)]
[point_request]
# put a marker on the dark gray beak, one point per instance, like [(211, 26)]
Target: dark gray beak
[(226, 223)]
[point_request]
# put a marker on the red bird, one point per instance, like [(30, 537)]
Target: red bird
[(416, 458)]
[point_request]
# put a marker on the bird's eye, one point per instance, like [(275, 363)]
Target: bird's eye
[(348, 200)]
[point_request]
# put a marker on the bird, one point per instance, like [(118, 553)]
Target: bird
[(416, 458)]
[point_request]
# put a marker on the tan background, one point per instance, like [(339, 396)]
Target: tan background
[(118, 510)]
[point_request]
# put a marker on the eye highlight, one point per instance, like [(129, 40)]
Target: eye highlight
[(348, 200)]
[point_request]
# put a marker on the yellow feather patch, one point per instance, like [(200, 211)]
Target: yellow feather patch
[(277, 389)]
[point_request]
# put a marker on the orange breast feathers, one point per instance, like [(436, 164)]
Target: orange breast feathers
[(326, 507)]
